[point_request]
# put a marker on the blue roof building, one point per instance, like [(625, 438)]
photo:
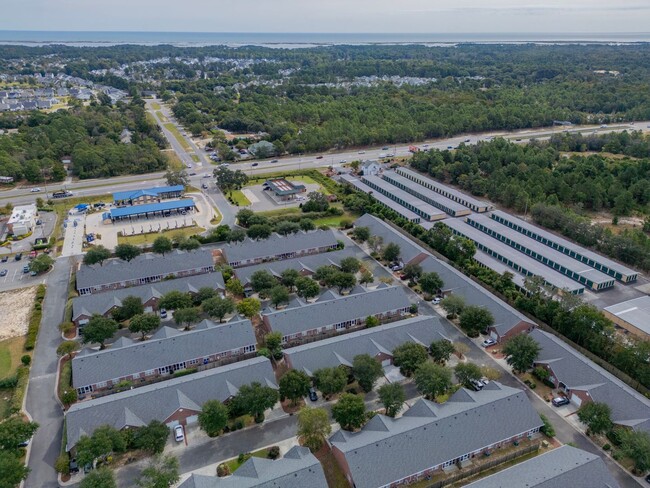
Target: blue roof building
[(134, 197), (162, 209)]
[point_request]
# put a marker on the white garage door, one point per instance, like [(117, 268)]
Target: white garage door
[(494, 335), (173, 424), (148, 310), (192, 419), (576, 400), (385, 362)]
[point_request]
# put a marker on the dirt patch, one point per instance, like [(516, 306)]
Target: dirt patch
[(20, 302)]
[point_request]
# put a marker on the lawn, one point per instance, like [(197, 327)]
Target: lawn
[(195, 158), (181, 140), (11, 350), (280, 211), (333, 472), (335, 220), (65, 378), (155, 105), (234, 464), (140, 239), (302, 178), (161, 117), (239, 198)]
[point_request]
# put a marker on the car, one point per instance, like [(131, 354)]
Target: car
[(425, 145), (319, 157), (255, 164), (192, 174), (488, 342), (3, 272), (559, 401), (25, 269), (74, 467), (385, 148), (450, 147), (342, 161), (99, 205), (163, 313), (5, 259), (397, 267), (275, 160), (312, 394), (35, 190), (477, 385), (204, 186), (39, 222), (647, 478), (33, 273), (518, 140), (435, 300), (468, 140), (179, 434), (18, 256), (207, 175), (362, 152), (402, 276)]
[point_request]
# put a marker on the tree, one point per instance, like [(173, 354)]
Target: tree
[(41, 263), (227, 179), (249, 307), (453, 305), (375, 243), (636, 446), (466, 372), (490, 373), (307, 288), (177, 177), (14, 431), (174, 300), (278, 295), (366, 277), (371, 321), (307, 224), (244, 217), (432, 379), (294, 385), (349, 411), (152, 437), (99, 478), (254, 399), (441, 350), (262, 280), (273, 341), (131, 306), (596, 416), (187, 316), (342, 281), (218, 308), (366, 370), (391, 252), (13, 470), (234, 287), (285, 228), (361, 234), (316, 202), (189, 244), (330, 380), (96, 254), (412, 271), (392, 397), (98, 329), (259, 231), (288, 278), (475, 319), (144, 323), (127, 252), (213, 417), (461, 349), (409, 356), (430, 283), (521, 352), (203, 294), (313, 427), (324, 273), (67, 348), (162, 472), (350, 264), (161, 245)]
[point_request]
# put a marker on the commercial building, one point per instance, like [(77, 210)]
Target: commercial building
[(601, 263), (173, 402), (405, 199), (380, 198), (582, 381), (150, 210), (277, 247), (521, 263), (143, 269), (447, 191), (167, 351), (594, 280), (137, 197), (298, 468), (282, 189), (22, 220), (378, 342), (301, 321), (432, 437), (632, 315), (487, 261), (410, 252), (426, 195), (564, 466), (85, 306)]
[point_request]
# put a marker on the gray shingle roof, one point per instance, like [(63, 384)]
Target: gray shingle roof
[(628, 406), (102, 302), (329, 312), (408, 248), (429, 434), (306, 263), (116, 270), (341, 350), (277, 244), (158, 401), (564, 466), (635, 312), (167, 346), (298, 468)]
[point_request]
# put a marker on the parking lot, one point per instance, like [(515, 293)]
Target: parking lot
[(262, 201), (44, 229), (15, 277)]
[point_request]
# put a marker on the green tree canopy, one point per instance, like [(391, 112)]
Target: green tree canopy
[(278, 295), (453, 305), (41, 263), (361, 234), (430, 283), (127, 252), (521, 352), (67, 348), (144, 323), (98, 329), (466, 372), (391, 252), (99, 478), (432, 379), (213, 417), (96, 254), (175, 300), (262, 280), (288, 278), (249, 307), (596, 416), (330, 380), (161, 245), (152, 437), (14, 431), (162, 472), (131, 306), (366, 370), (218, 308), (254, 399), (441, 350), (392, 397), (313, 427), (307, 288), (187, 316), (409, 356), (475, 319), (349, 411), (350, 264), (294, 385), (13, 469)]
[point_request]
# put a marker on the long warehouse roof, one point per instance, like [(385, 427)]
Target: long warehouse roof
[(426, 208), (151, 207)]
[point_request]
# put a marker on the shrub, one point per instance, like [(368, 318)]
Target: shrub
[(243, 457), (607, 447), (183, 372), (274, 452), (614, 436), (9, 382), (62, 464), (26, 359), (547, 428), (223, 470), (22, 376)]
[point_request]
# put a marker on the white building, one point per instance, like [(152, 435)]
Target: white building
[(22, 220)]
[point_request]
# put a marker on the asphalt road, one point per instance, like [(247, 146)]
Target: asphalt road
[(41, 401)]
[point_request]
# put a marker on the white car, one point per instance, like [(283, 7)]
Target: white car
[(362, 152), (489, 342), (35, 190), (435, 300), (179, 434)]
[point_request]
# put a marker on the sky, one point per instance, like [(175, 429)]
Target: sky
[(338, 16)]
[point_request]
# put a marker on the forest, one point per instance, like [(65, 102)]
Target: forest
[(90, 135)]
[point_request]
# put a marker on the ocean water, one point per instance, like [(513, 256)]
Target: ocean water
[(106, 38)]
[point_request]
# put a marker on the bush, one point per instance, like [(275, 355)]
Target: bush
[(547, 428), (242, 458), (62, 464), (183, 372), (223, 470), (614, 436), (66, 327), (607, 447), (274, 452), (531, 384), (9, 382), (26, 359), (35, 319), (22, 376)]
